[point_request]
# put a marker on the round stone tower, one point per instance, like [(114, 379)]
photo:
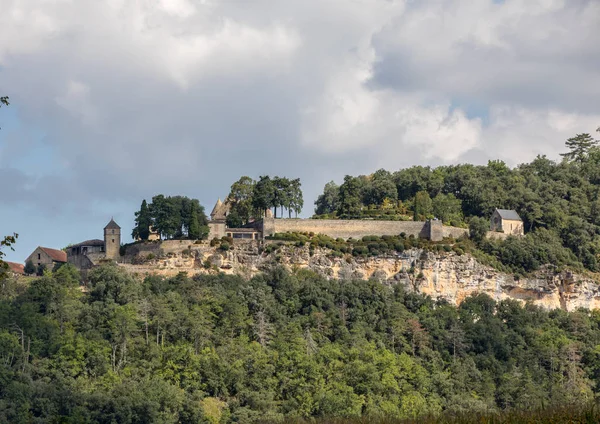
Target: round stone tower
[(112, 240)]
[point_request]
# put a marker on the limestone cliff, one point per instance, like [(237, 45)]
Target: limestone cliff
[(440, 275)]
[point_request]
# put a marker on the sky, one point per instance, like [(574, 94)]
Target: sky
[(114, 101)]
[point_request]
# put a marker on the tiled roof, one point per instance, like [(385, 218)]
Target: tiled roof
[(510, 214), (16, 268), (220, 210), (56, 255), (94, 242)]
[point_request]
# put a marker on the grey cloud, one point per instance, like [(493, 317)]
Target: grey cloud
[(133, 107)]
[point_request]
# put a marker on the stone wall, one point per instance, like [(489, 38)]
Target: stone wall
[(455, 232), (347, 228), (359, 228), (495, 235)]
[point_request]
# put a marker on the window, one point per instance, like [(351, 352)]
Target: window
[(113, 231), (39, 257), (113, 240)]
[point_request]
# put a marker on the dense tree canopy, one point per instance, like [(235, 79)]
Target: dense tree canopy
[(559, 202), (171, 217), (249, 198), (221, 349)]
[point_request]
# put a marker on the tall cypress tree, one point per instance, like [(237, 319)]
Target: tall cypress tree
[(194, 227), (143, 221)]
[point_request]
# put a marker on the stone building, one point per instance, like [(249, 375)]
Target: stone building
[(507, 221), (218, 225), (89, 253), (47, 257), (112, 240), (267, 226)]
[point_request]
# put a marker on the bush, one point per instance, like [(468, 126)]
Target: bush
[(224, 246)]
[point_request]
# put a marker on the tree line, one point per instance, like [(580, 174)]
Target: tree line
[(559, 202), (250, 199), (277, 347), (171, 217)]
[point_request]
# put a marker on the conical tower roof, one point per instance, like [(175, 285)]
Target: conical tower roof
[(217, 207), (112, 225)]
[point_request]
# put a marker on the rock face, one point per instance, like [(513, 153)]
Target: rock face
[(439, 275)]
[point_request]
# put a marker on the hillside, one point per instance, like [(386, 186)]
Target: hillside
[(219, 348), (433, 269), (559, 203)]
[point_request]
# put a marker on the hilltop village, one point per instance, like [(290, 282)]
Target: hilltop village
[(90, 253)]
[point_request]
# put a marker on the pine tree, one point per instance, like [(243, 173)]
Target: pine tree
[(579, 147)]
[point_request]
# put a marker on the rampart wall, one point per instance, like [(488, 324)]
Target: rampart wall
[(359, 228)]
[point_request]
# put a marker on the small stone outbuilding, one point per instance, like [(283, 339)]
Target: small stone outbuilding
[(507, 221)]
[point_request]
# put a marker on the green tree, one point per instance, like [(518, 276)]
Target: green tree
[(7, 241), (350, 197), (29, 268), (382, 187), (422, 206), (328, 202), (579, 147), (296, 198), (263, 196), (240, 197), (478, 228), (447, 208), (143, 222), (194, 224)]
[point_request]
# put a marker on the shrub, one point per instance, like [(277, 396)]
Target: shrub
[(224, 246)]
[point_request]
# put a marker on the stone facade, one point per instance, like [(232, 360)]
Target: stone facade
[(90, 253), (507, 221), (433, 230), (47, 257), (112, 240)]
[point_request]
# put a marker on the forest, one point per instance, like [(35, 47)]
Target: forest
[(279, 347), (559, 203)]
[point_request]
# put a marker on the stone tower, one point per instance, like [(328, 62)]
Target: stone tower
[(112, 240)]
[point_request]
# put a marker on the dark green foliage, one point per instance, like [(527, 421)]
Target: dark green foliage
[(579, 147), (562, 198), (282, 347), (276, 192), (172, 217), (350, 203), (478, 228), (29, 268), (143, 222)]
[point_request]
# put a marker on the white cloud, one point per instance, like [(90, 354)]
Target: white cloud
[(141, 96)]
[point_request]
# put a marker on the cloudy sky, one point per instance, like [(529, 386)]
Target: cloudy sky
[(113, 101)]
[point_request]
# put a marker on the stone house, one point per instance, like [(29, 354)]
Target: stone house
[(47, 257), (507, 221), (89, 253), (82, 255), (218, 224)]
